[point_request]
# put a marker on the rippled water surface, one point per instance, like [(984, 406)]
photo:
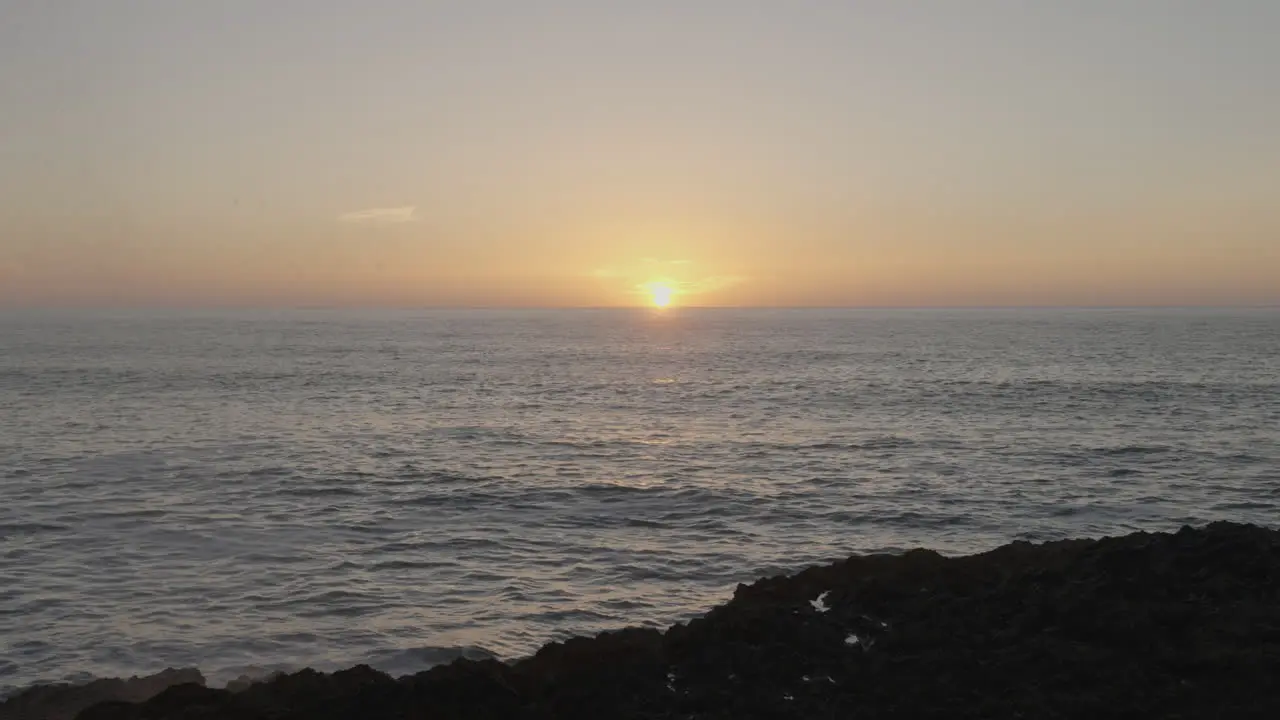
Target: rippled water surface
[(279, 489)]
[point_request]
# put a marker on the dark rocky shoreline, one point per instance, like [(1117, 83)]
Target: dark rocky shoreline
[(1174, 625)]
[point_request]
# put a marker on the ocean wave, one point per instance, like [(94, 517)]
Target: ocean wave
[(411, 459)]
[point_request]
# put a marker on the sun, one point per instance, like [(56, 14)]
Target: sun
[(660, 294)]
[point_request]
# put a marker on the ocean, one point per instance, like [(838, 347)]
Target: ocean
[(245, 491)]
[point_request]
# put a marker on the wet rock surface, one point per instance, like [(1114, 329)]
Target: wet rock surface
[(63, 702), (1181, 625)]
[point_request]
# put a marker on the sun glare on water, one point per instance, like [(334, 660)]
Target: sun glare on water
[(660, 295)]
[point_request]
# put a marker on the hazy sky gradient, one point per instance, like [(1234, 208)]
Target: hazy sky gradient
[(526, 152)]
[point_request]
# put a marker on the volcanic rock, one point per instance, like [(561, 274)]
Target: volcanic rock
[(64, 701)]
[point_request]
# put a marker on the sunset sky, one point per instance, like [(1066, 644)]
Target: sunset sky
[(576, 152)]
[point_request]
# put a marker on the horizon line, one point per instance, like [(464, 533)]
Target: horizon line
[(670, 309)]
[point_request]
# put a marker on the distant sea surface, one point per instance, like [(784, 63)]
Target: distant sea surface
[(248, 491)]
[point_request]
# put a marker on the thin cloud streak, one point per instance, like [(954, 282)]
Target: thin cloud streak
[(692, 288), (381, 215), (712, 284)]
